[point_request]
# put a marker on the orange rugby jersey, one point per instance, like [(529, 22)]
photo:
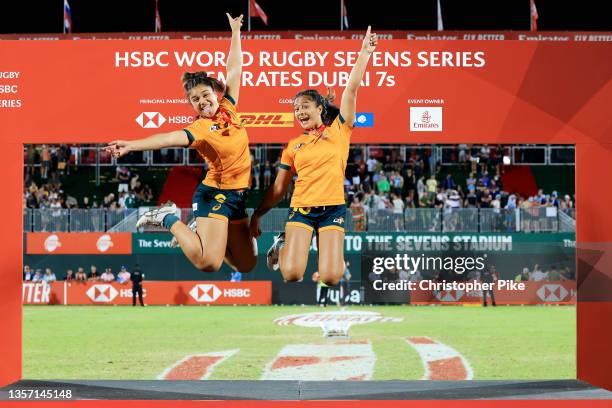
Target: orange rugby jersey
[(224, 144), (319, 160)]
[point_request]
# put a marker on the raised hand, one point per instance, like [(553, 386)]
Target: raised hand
[(370, 41), (235, 23), (118, 148)]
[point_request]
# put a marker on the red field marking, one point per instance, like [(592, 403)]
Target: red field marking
[(447, 369), (440, 361), (284, 362), (195, 367), (331, 360), (421, 340)]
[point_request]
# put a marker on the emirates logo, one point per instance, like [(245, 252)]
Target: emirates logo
[(426, 117)]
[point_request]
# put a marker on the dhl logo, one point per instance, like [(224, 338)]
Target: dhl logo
[(266, 119)]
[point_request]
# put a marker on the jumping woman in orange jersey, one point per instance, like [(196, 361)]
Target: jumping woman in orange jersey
[(221, 223), (318, 157)]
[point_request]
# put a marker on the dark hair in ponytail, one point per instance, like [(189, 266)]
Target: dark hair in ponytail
[(330, 111), (192, 79)]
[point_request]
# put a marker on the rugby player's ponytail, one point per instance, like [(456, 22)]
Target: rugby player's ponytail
[(192, 79), (330, 111)]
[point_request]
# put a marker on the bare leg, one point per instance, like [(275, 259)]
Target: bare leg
[(206, 248), (241, 253), (331, 256), (293, 256)]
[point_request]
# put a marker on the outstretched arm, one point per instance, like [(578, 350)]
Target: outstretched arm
[(158, 141), (275, 193), (234, 59), (348, 106)]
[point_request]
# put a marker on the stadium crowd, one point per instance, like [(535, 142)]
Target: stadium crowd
[(37, 276), (382, 184), (48, 165)]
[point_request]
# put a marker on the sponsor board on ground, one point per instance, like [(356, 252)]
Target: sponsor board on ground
[(317, 319)]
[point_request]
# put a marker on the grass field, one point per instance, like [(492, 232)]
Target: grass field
[(114, 342)]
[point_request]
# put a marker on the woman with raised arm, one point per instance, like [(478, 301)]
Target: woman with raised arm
[(318, 157), (220, 229)]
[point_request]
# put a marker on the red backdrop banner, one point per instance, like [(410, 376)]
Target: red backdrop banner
[(472, 90)]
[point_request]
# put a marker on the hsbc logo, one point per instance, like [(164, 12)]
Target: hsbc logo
[(205, 293), (150, 120), (102, 293), (448, 295), (552, 293)]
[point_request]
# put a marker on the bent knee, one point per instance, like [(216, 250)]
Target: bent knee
[(292, 272), (329, 279), (209, 265)]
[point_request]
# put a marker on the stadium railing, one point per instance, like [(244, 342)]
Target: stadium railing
[(536, 219), (446, 154)]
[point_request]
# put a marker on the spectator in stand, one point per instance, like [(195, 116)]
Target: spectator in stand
[(93, 273), (135, 182), (123, 176), (267, 173), (485, 179), (37, 276), (537, 275), (27, 273), (69, 275), (397, 183), (358, 215), (432, 184), (256, 172), (485, 199), (236, 276), (398, 212), (383, 184), (567, 202), (554, 275), (107, 276), (422, 189), (371, 164), (80, 275), (524, 276), (49, 276), (123, 276), (46, 162), (382, 204), (471, 199), (449, 183)]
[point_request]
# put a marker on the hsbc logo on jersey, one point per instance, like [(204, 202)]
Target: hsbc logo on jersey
[(552, 293), (205, 293), (150, 120), (102, 293)]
